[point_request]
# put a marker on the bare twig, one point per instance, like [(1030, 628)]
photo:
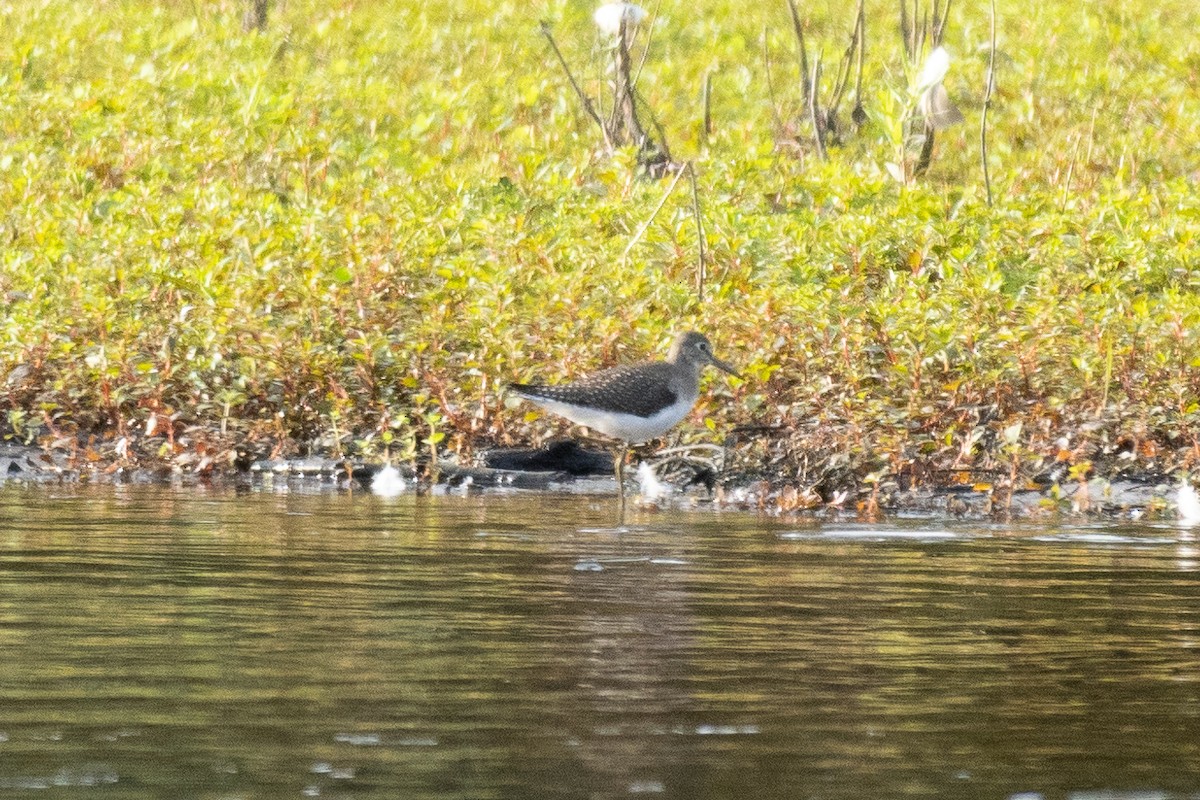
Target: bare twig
[(701, 268), (624, 126), (661, 144), (625, 118), (815, 112), (846, 66), (924, 29), (707, 129), (771, 86), (798, 27), (641, 231), (1070, 173), (621, 89), (604, 60), (583, 98), (858, 114), (940, 31), (646, 48), (843, 77), (255, 17), (1087, 158), (987, 104), (914, 29)]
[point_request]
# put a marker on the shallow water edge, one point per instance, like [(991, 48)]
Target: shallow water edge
[(1139, 497)]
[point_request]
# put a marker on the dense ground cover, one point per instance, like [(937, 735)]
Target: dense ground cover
[(347, 230)]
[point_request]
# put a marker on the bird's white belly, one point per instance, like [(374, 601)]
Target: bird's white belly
[(629, 427)]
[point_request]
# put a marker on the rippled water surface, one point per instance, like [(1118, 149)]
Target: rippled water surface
[(176, 644)]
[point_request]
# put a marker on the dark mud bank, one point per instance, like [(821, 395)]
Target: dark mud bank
[(688, 482)]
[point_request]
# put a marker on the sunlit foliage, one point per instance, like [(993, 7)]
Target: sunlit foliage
[(351, 227)]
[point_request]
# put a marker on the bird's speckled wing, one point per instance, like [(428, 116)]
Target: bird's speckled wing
[(641, 390)]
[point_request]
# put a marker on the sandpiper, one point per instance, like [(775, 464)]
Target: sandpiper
[(632, 403)]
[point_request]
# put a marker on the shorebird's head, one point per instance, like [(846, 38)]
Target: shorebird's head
[(693, 348)]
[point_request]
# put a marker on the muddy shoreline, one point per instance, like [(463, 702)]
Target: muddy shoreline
[(1121, 496)]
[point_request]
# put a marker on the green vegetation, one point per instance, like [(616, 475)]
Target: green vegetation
[(350, 228)]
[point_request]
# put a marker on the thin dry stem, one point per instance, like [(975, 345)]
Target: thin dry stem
[(661, 144), (814, 110), (707, 128), (641, 231), (843, 78), (701, 267), (583, 98), (940, 32), (858, 115), (255, 17), (646, 48), (771, 86), (987, 104), (798, 27)]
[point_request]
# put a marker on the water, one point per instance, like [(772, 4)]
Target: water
[(172, 644)]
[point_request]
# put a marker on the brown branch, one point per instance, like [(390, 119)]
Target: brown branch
[(814, 110), (914, 31), (661, 144), (987, 104), (706, 131), (583, 98), (798, 27), (641, 231), (646, 48), (843, 78), (701, 268), (771, 86), (255, 17), (858, 114), (940, 31), (625, 118), (624, 126)]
